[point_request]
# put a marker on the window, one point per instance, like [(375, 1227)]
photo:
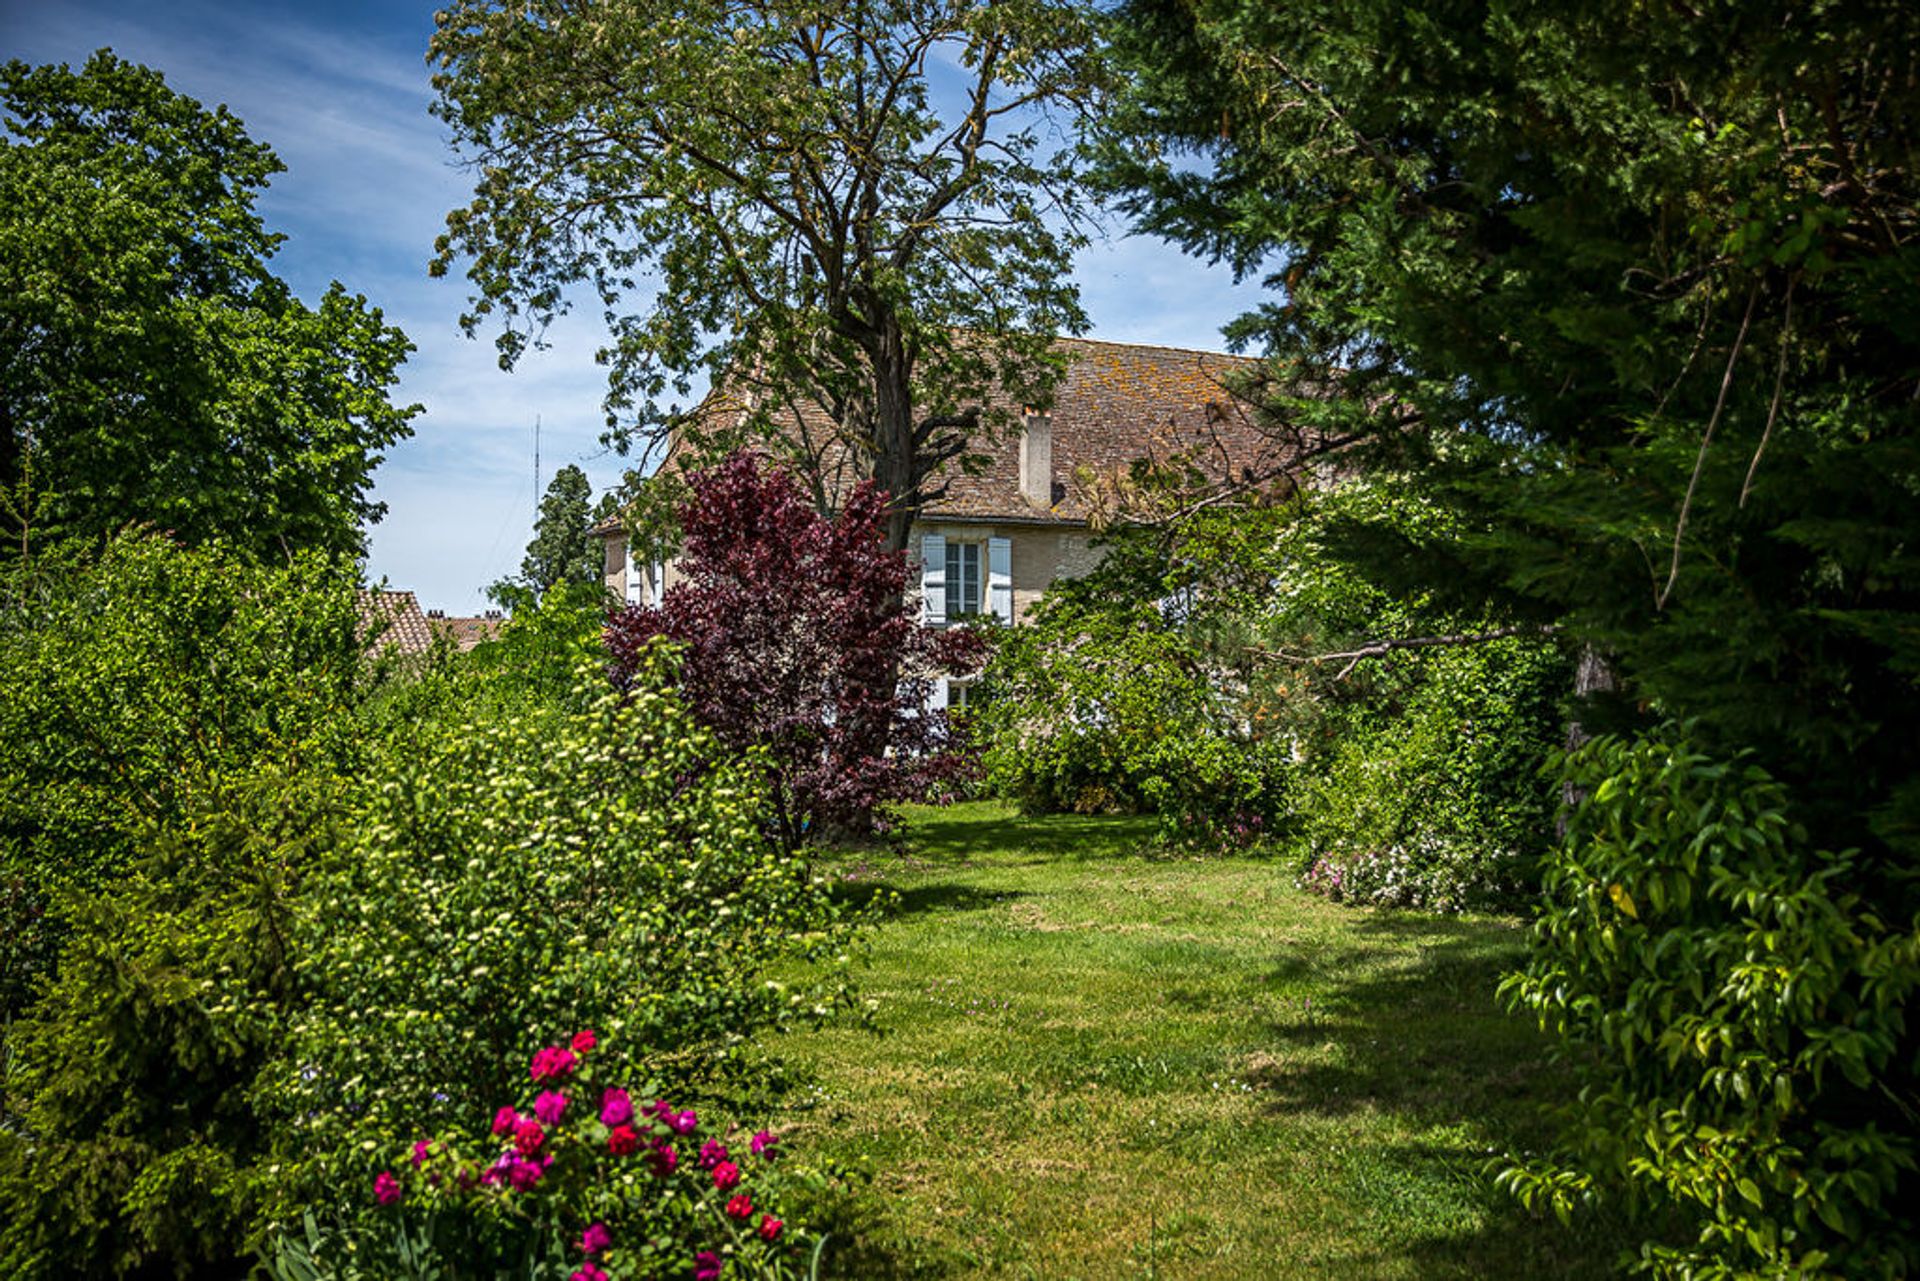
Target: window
[(963, 579)]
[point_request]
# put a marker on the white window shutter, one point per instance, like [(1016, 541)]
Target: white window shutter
[(1000, 578), (933, 583), (937, 700), (630, 577)]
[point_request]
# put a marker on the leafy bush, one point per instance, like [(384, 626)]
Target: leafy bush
[(599, 862), (579, 1180), (1735, 1006), (176, 742), (1442, 804), (800, 645), (134, 683)]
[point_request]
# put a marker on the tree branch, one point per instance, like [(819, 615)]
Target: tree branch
[(1377, 649)]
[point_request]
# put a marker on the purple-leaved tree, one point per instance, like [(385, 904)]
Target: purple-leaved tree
[(798, 638)]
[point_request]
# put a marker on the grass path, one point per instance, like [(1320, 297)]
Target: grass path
[(1093, 1064)]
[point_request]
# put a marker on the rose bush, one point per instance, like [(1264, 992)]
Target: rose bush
[(585, 1181)]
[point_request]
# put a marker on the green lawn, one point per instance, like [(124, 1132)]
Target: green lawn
[(1096, 1064)]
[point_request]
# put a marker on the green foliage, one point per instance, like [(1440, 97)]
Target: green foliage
[(175, 743), (1104, 702), (151, 367), (131, 1099), (1735, 1004), (1175, 679), (563, 549), (832, 224), (139, 683), (1438, 799), (549, 866)]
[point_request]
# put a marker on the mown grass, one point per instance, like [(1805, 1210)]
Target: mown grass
[(1093, 1063)]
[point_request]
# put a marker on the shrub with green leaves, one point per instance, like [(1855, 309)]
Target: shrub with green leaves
[(1735, 1007), (595, 862), (1435, 797), (135, 681)]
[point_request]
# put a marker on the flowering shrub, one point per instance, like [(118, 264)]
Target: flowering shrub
[(587, 1178), (602, 861)]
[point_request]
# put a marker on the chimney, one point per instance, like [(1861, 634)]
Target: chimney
[(1036, 458)]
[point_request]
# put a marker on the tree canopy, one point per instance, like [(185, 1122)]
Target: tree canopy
[(562, 549), (1629, 290), (152, 368), (854, 210)]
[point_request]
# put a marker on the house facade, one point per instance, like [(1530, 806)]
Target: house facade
[(995, 541)]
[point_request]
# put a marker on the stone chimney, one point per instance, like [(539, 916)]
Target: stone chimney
[(1036, 458)]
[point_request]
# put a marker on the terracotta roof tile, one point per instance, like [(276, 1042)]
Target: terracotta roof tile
[(402, 627)]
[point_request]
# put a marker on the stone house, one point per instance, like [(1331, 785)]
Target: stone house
[(997, 540)]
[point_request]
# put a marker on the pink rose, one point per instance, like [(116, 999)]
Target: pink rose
[(762, 1144), (553, 1063), (726, 1175), (712, 1153), (770, 1228), (706, 1266), (615, 1108), (524, 1173), (623, 1141), (587, 1272), (420, 1148), (740, 1207), (504, 1120), (683, 1123), (528, 1136), (548, 1107), (386, 1188), (595, 1239), (663, 1159), (584, 1040)]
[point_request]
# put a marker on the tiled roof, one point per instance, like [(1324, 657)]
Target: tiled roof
[(403, 627), (1119, 403), (465, 632)]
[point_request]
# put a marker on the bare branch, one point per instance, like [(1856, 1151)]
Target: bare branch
[(1700, 459), (1380, 648)]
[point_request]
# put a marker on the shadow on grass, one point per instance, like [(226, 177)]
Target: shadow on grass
[(920, 899), (960, 836)]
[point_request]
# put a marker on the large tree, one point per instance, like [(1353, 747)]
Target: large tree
[(152, 368), (1630, 287), (562, 550), (853, 216)]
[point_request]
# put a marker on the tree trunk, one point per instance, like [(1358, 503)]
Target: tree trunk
[(895, 460), (1592, 675)]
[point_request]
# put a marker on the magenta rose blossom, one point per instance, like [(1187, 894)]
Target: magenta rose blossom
[(528, 1136), (420, 1147), (624, 1141), (504, 1120), (553, 1063), (524, 1173), (595, 1239), (706, 1266), (763, 1144), (712, 1153), (741, 1207), (587, 1272), (548, 1107), (615, 1108), (584, 1040), (386, 1188), (770, 1228), (726, 1175), (683, 1123), (663, 1159)]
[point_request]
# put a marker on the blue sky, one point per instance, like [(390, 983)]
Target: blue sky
[(340, 91)]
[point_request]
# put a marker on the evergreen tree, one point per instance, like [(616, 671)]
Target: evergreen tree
[(1629, 288)]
